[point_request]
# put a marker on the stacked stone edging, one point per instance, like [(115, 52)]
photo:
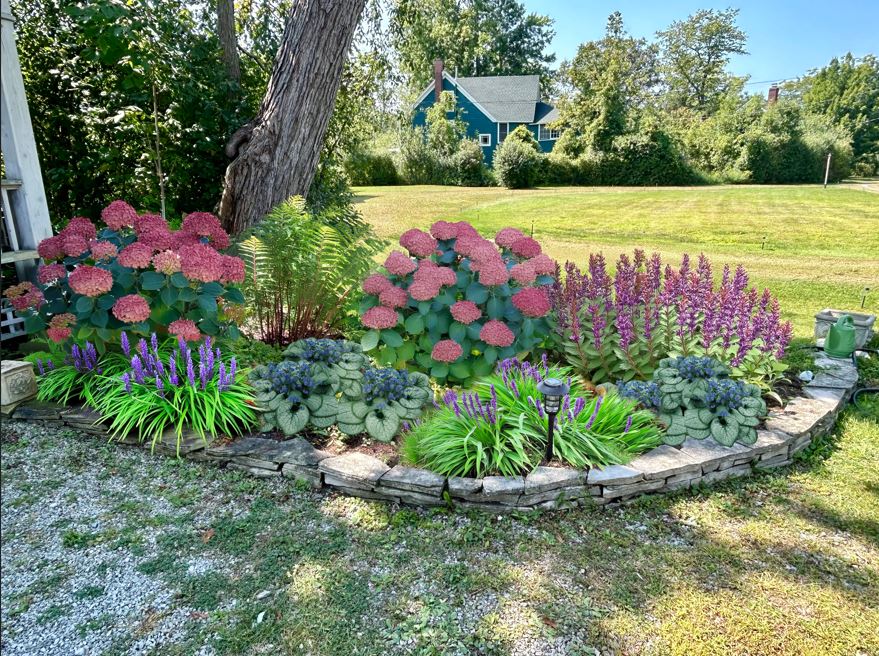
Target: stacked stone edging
[(663, 469)]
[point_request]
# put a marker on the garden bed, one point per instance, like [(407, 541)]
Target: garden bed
[(358, 472)]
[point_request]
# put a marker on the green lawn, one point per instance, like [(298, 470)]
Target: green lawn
[(812, 247)]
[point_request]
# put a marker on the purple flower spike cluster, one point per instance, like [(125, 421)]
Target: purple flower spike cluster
[(469, 404), (667, 309), (85, 359), (148, 368)]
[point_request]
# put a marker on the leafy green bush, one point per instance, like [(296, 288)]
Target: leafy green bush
[(501, 427), (696, 398), (167, 390), (462, 305), (470, 169), (419, 163), (303, 269), (516, 164), (135, 274), (368, 169)]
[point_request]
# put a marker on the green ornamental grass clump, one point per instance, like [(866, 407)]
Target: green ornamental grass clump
[(696, 398)]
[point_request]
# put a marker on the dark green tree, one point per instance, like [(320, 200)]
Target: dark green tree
[(476, 37), (694, 55)]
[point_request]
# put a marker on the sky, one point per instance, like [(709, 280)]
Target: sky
[(785, 38)]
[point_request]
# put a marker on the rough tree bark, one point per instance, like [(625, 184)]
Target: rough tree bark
[(277, 153), (228, 40)]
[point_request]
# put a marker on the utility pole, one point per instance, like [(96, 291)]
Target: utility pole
[(827, 169)]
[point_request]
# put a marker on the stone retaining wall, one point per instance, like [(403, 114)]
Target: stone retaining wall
[(664, 469)]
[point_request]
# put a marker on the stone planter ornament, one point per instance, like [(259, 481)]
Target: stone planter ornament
[(553, 390)]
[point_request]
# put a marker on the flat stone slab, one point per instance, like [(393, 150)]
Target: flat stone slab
[(502, 486), (303, 473), (557, 494), (412, 498), (798, 417), (664, 461), (617, 491), (614, 475), (462, 487), (723, 474), (709, 454), (297, 451), (189, 442), (768, 441), (38, 411), (421, 481), (83, 415), (247, 461), (243, 447), (358, 468), (259, 472), (831, 396), (544, 479)]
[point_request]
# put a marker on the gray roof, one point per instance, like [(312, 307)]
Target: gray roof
[(508, 98), (546, 113)]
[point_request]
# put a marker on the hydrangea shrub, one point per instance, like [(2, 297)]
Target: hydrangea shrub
[(457, 303), (134, 274), (695, 397), (622, 326)]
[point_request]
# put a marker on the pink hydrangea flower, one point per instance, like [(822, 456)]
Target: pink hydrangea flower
[(159, 238), (25, 296), (132, 308), (464, 230), (62, 320), (180, 239), (146, 222), (380, 317), (496, 333), (424, 290), (49, 273), (446, 350), (483, 250), (465, 312), (74, 244), (399, 264), (446, 276), (418, 243), (81, 226), (58, 334), (543, 264), (233, 269), (526, 247), (523, 273), (201, 262), (137, 255), (186, 329), (51, 248), (166, 262), (444, 230), (376, 284), (205, 224), (90, 280), (394, 297), (465, 242), (102, 250), (118, 215), (532, 301), (493, 273), (506, 237)]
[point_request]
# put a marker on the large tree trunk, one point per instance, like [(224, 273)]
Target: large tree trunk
[(228, 40), (277, 153)]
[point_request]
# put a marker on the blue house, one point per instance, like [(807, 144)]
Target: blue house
[(492, 107)]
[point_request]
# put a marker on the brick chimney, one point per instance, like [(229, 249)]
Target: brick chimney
[(773, 94), (437, 78)]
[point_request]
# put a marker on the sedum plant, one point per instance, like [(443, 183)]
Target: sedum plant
[(134, 274), (620, 326), (457, 303), (695, 397)]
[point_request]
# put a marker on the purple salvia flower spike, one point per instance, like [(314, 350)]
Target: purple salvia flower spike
[(40, 367), (123, 341)]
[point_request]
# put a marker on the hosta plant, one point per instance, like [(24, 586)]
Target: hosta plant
[(621, 326), (134, 274), (457, 303), (388, 397), (170, 389), (695, 397)]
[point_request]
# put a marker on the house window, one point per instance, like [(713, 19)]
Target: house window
[(545, 134), (485, 140), (503, 129)]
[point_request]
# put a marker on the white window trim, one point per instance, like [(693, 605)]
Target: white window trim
[(485, 136), (543, 131), (507, 123)]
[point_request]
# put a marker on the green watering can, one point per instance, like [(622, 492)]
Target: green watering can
[(840, 340)]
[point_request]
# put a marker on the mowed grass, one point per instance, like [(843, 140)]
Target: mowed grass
[(812, 247)]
